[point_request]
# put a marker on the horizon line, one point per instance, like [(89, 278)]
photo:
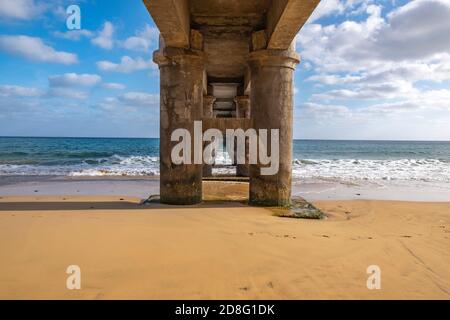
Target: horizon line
[(304, 139)]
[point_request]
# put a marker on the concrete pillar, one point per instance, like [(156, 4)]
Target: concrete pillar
[(208, 105), (181, 90), (271, 98), (243, 111)]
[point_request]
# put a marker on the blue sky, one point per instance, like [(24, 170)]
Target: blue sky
[(370, 70)]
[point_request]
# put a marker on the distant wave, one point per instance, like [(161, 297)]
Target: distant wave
[(110, 166)]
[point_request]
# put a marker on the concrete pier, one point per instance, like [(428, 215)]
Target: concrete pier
[(208, 113), (272, 73), (228, 63), (243, 111), (181, 94)]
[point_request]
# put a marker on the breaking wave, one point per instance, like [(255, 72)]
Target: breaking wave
[(437, 170), (114, 165)]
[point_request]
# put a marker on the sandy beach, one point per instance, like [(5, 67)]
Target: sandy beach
[(225, 150), (220, 249)]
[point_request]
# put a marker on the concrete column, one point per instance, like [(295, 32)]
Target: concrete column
[(271, 98), (181, 89), (243, 106), (243, 111), (208, 105)]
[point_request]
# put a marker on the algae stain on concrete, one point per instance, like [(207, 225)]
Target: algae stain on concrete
[(299, 209)]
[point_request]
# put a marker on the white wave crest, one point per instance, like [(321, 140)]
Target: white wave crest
[(357, 169), (433, 170)]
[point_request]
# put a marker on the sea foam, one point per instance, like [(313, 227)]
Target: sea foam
[(436, 170)]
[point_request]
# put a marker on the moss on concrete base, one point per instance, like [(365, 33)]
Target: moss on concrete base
[(299, 209)]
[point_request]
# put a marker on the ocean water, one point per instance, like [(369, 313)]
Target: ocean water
[(313, 159)]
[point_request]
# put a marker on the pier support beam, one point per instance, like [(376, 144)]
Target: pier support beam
[(243, 111), (208, 113), (271, 98), (181, 103)]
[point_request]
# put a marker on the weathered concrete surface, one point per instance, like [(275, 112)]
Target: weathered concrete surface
[(285, 18), (219, 44), (271, 97), (243, 111), (208, 104), (227, 27), (243, 106), (227, 123), (181, 87), (172, 19)]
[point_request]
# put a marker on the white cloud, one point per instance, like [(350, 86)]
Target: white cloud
[(67, 93), (74, 35), (371, 43), (417, 30), (140, 99), (126, 65), (59, 10), (385, 90), (104, 38), (19, 9), (333, 79), (109, 104), (338, 7), (369, 71), (114, 86), (19, 91), (130, 101), (73, 80), (429, 105), (342, 47), (143, 40), (35, 49), (316, 110), (326, 8)]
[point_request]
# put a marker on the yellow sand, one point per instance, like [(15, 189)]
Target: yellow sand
[(221, 250)]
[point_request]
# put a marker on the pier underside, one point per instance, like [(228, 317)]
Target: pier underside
[(229, 64)]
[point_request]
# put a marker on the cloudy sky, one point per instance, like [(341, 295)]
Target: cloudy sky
[(371, 69)]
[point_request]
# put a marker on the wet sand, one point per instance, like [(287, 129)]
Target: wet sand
[(220, 250), (141, 187)]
